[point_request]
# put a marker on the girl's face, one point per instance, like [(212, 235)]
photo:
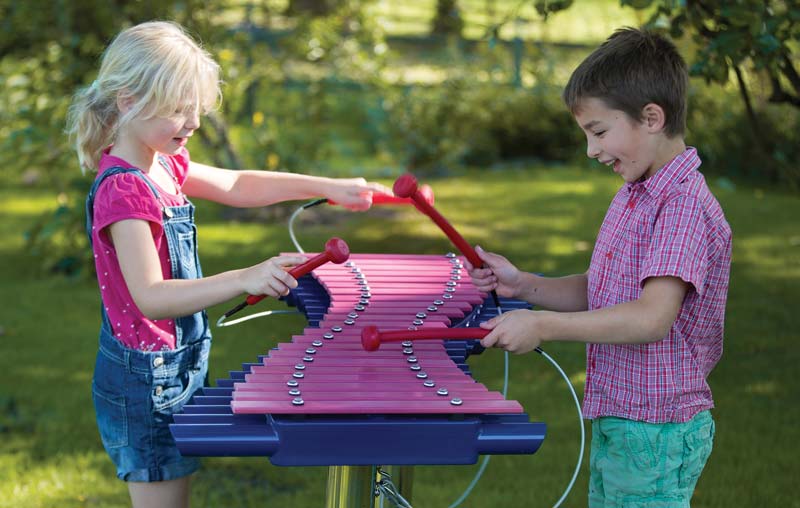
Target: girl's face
[(165, 134), (616, 140)]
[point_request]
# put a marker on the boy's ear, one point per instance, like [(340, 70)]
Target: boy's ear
[(653, 117)]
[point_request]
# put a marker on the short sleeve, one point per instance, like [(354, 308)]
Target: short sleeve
[(126, 196), (679, 243)]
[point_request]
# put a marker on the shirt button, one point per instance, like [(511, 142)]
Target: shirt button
[(159, 390), (158, 361), (609, 255)]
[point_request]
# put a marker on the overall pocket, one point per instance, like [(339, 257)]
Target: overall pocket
[(186, 252), (112, 417)]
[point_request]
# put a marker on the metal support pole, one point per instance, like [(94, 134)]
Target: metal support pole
[(351, 487)]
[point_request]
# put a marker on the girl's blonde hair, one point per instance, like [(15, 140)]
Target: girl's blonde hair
[(158, 66)]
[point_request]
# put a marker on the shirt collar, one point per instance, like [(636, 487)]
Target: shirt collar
[(673, 172)]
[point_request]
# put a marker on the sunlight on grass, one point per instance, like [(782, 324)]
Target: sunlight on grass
[(27, 205), (578, 378), (762, 388), (768, 254), (77, 480), (414, 18)]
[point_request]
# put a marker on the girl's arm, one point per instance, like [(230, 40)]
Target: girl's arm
[(647, 319), (158, 298), (251, 188)]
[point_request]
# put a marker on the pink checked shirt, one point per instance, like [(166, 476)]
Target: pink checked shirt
[(667, 225)]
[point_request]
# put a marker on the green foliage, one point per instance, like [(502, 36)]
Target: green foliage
[(743, 37), (719, 127), (547, 7), (463, 122)]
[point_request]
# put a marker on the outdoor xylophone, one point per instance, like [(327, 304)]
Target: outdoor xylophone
[(324, 399)]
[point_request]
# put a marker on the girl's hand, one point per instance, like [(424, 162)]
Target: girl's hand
[(271, 277), (499, 275), (518, 331), (354, 193)]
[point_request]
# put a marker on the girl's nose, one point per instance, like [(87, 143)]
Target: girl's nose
[(193, 121)]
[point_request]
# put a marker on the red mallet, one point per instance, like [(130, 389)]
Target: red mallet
[(406, 187), (336, 251), (379, 198), (371, 337)]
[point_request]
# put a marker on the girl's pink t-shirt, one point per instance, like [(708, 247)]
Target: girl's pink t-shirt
[(127, 196)]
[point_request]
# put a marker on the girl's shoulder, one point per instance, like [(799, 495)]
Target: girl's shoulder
[(126, 195)]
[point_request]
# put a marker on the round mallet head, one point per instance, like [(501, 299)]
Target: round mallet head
[(405, 186), (370, 338), (337, 250)]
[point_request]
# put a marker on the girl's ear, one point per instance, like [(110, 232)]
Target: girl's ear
[(654, 117), (125, 103)]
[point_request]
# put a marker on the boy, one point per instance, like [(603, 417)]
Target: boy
[(651, 306)]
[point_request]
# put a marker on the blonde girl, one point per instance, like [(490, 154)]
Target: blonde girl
[(131, 127)]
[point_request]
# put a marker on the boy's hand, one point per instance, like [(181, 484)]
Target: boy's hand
[(354, 193), (499, 275), (518, 331), (270, 277)]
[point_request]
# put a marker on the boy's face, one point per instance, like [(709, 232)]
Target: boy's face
[(615, 139)]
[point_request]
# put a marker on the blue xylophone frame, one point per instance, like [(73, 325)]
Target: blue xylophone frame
[(208, 427)]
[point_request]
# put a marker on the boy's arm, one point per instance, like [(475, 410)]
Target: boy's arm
[(250, 188), (641, 321), (563, 294)]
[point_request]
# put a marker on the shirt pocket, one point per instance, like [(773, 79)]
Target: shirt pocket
[(634, 244)]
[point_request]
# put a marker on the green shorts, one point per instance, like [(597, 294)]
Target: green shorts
[(647, 465)]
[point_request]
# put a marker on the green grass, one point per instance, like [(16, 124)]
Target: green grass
[(542, 219)]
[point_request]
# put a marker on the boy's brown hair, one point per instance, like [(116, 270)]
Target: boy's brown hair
[(631, 69)]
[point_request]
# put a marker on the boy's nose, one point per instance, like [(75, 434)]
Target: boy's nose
[(592, 150)]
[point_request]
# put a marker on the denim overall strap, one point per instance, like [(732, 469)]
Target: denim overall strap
[(181, 232)]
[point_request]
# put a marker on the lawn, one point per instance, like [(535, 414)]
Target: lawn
[(544, 219)]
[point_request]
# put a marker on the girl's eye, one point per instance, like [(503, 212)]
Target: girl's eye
[(599, 134)]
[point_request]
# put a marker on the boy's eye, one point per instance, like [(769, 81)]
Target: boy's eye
[(599, 133)]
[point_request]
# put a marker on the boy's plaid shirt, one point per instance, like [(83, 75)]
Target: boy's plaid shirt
[(667, 225)]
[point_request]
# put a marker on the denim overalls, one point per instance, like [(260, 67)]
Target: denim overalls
[(135, 393)]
